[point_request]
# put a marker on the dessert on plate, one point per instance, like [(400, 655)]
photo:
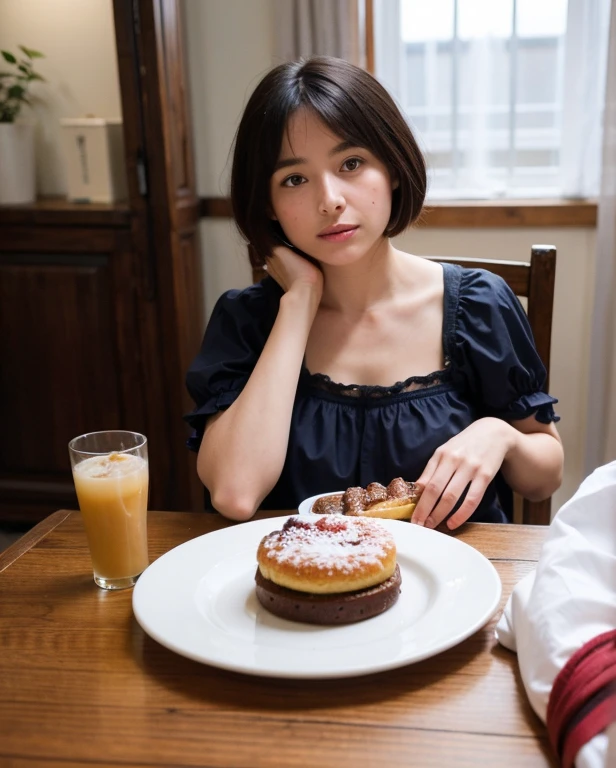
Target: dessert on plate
[(328, 570), (395, 501)]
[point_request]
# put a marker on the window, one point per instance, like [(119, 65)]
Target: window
[(505, 96)]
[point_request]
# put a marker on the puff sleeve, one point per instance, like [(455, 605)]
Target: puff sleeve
[(235, 336), (494, 351)]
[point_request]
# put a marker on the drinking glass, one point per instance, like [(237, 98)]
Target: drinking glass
[(110, 471)]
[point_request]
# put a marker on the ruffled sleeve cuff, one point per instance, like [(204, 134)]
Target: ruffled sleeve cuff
[(198, 417), (236, 334), (493, 351), (537, 404)]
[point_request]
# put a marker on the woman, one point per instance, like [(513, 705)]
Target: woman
[(353, 361)]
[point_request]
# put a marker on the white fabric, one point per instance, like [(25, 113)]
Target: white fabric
[(586, 49), (317, 27), (569, 599), (601, 424)]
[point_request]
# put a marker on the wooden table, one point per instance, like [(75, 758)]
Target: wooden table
[(82, 685)]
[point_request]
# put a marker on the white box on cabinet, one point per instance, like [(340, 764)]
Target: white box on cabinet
[(94, 156)]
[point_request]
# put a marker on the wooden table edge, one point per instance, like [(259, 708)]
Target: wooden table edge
[(32, 537)]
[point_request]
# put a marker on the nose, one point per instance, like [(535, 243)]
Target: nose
[(331, 197)]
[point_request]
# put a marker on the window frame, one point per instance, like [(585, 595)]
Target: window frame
[(539, 212)]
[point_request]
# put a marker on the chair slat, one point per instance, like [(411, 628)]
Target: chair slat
[(534, 281)]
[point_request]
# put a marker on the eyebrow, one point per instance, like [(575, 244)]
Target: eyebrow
[(286, 162)]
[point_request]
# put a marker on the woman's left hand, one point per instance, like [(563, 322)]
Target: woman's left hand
[(470, 459)]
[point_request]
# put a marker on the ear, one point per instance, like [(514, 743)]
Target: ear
[(395, 183)]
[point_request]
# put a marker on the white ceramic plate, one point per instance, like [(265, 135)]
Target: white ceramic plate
[(199, 601), (305, 507)]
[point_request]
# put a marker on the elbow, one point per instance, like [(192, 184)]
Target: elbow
[(541, 494), (548, 488), (233, 500), (226, 498), (556, 480), (548, 475), (233, 505)]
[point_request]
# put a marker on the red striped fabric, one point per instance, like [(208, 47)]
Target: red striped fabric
[(583, 698)]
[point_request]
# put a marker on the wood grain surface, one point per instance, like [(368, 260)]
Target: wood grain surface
[(82, 684)]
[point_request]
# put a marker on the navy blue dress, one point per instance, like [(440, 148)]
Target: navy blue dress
[(347, 435)]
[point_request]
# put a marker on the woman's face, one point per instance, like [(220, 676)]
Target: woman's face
[(332, 200)]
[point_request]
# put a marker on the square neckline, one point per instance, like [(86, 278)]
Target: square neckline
[(432, 380)]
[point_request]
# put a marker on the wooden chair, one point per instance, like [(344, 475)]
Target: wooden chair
[(533, 281)]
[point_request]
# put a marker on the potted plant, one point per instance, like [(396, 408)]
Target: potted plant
[(17, 169)]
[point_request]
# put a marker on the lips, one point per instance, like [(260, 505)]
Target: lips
[(336, 229), (338, 232)]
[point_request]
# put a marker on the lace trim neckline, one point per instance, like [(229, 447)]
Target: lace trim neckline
[(452, 274), (324, 382)]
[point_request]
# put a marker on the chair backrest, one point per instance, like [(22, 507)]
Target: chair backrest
[(534, 281)]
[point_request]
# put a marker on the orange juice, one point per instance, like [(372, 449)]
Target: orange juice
[(113, 496)]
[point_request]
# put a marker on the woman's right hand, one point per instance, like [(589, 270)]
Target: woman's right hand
[(290, 270)]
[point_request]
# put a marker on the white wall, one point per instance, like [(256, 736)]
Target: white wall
[(230, 44), (77, 38)]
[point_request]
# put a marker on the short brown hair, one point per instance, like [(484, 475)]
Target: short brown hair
[(354, 106)]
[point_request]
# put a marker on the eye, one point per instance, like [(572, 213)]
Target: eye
[(352, 164), (293, 181)]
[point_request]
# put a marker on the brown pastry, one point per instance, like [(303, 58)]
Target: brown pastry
[(328, 505), (397, 501), (328, 570), (342, 608)]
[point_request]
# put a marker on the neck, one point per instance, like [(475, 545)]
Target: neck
[(357, 288)]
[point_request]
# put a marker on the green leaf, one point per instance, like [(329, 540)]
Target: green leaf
[(31, 53), (16, 92), (6, 74), (9, 57), (27, 70), (9, 111)]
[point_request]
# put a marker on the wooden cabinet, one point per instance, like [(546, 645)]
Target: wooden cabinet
[(100, 305), (69, 345), (81, 349)]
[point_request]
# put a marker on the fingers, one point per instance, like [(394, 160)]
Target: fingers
[(444, 491), (288, 268), (444, 482), (275, 267), (469, 505), (431, 490)]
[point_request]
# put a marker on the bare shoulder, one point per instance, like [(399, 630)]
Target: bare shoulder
[(421, 274)]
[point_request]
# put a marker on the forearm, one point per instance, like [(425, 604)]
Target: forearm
[(533, 464), (243, 450)]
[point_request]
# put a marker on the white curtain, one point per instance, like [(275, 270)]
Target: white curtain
[(479, 85), (318, 27), (601, 434), (583, 94)]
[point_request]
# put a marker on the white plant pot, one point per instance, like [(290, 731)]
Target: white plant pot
[(17, 169)]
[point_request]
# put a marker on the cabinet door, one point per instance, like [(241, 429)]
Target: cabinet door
[(165, 215), (69, 357)]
